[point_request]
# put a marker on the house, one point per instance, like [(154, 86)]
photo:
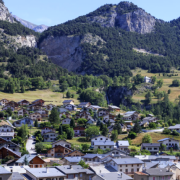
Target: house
[(99, 138), (5, 151), (13, 104), (43, 112), (149, 158), (9, 144), (22, 121), (95, 108), (34, 161), (22, 112), (58, 151), (85, 115), (122, 145), (113, 108), (35, 116), (144, 123), (47, 173), (102, 112), (150, 119), (71, 107), (131, 115), (91, 121), (153, 148), (67, 102), (176, 127), (23, 103), (98, 158), (49, 107), (68, 115), (153, 174), (147, 79), (3, 102), (71, 160), (126, 165), (34, 107), (111, 176), (79, 131), (170, 143), (84, 104), (74, 153), (50, 136), (66, 121), (62, 143), (4, 174), (62, 109), (117, 153), (7, 132), (104, 145), (8, 107), (76, 172), (39, 102), (45, 130)]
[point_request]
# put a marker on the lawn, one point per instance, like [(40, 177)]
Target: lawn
[(167, 81), (33, 130), (79, 141), (47, 95)]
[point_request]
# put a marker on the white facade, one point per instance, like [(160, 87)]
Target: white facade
[(50, 137), (66, 121), (27, 121), (147, 79), (62, 143), (169, 142), (6, 128), (176, 127), (70, 107), (47, 129), (99, 139), (102, 112)]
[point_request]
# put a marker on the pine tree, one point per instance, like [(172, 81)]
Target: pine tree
[(36, 123), (105, 130), (60, 130), (119, 129), (68, 94), (70, 133), (22, 89), (54, 116), (72, 123), (137, 127), (114, 135), (26, 161), (101, 126)]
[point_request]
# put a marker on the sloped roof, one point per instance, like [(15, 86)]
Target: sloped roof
[(123, 143), (67, 101), (151, 144), (73, 159), (14, 152), (28, 156), (4, 171), (128, 161), (158, 172)]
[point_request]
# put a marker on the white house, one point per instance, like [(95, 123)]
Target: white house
[(50, 136), (153, 148), (3, 102), (169, 142), (122, 145), (84, 104), (126, 165), (22, 112), (22, 121), (61, 142), (147, 79), (66, 121), (99, 138), (47, 129), (66, 102), (71, 107), (103, 112), (176, 127)]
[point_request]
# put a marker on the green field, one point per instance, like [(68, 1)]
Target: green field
[(167, 81)]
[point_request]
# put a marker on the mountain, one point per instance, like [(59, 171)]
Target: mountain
[(36, 28), (111, 40)]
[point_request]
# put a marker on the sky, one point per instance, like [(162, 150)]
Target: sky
[(53, 12)]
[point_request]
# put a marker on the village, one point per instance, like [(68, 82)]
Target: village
[(102, 156)]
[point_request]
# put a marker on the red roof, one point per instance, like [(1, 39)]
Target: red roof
[(79, 128)]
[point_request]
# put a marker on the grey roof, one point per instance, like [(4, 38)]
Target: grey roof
[(114, 107), (105, 143), (67, 170), (42, 172), (151, 144), (83, 103), (150, 164), (158, 172), (128, 161), (164, 164), (19, 169), (28, 156), (73, 159), (80, 169), (67, 101), (114, 175), (153, 157), (17, 176), (166, 139), (129, 112), (174, 127), (123, 143), (102, 168), (90, 156), (4, 171)]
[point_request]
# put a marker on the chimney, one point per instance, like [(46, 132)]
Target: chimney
[(47, 169)]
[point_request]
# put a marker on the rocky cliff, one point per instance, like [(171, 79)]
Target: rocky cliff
[(66, 51), (118, 95)]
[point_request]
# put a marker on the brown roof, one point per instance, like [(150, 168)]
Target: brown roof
[(141, 173), (79, 128)]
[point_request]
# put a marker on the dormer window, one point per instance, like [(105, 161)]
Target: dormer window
[(101, 138)]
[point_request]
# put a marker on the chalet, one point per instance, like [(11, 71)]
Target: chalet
[(66, 121), (74, 153), (131, 115), (13, 104), (149, 158), (84, 104), (35, 116), (50, 136), (4, 102), (99, 138), (45, 130), (58, 151), (47, 173), (113, 108), (147, 79), (94, 108), (176, 127), (109, 117), (9, 144), (8, 107), (103, 112), (85, 115), (144, 123), (5, 151), (71, 160), (67, 102), (23, 103), (22, 112), (96, 158), (122, 145), (6, 132), (43, 112), (71, 107), (34, 161), (34, 107), (74, 172), (150, 119), (117, 153), (68, 115), (39, 102), (126, 165), (62, 109), (62, 143), (25, 120), (153, 148), (170, 143), (49, 107), (79, 131)]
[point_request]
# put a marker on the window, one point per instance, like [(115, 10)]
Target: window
[(132, 170), (132, 165), (104, 146), (126, 170), (137, 169), (101, 138), (120, 170), (120, 165), (126, 165), (137, 165), (117, 152)]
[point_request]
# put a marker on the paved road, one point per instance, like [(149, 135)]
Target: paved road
[(30, 145), (156, 130)]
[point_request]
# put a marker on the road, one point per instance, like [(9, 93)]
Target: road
[(30, 145), (156, 130)]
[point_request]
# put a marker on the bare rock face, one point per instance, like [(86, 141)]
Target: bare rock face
[(138, 21), (5, 15), (66, 51)]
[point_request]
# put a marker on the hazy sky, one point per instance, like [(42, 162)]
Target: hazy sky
[(53, 12)]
